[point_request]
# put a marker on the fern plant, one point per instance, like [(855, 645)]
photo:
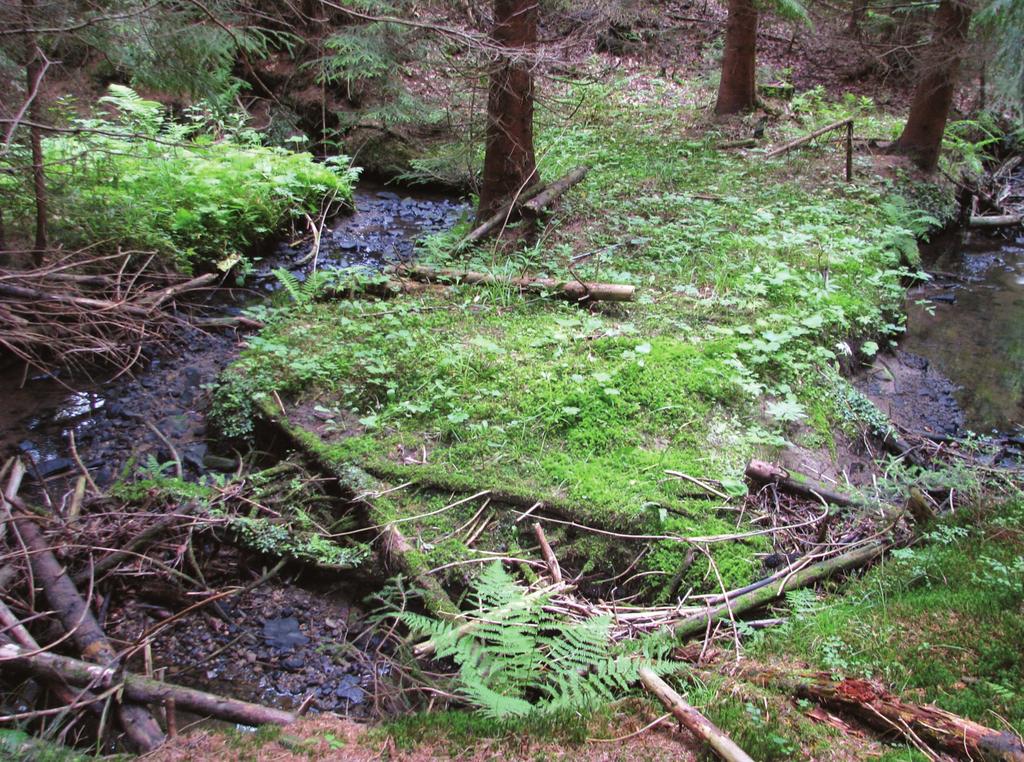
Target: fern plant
[(516, 658)]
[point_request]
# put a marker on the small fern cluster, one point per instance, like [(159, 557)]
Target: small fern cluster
[(517, 658)]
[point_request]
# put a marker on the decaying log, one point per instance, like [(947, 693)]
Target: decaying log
[(571, 289), (360, 486), (766, 473), (405, 557), (766, 591), (501, 217), (996, 221), (787, 147), (140, 689), (536, 206), (693, 720), (78, 621), (879, 708)]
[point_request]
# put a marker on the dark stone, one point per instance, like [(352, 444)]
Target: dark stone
[(293, 663), (283, 633), (53, 466)]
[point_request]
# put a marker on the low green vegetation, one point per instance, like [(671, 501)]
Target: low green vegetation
[(938, 622), (755, 279), (197, 193)]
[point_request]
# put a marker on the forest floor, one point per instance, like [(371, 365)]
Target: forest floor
[(460, 415), (758, 280)]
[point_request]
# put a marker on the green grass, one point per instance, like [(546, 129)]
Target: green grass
[(745, 303)]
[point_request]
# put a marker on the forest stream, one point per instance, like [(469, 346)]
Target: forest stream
[(274, 653), (960, 365)]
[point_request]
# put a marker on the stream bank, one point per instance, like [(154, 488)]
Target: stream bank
[(959, 367), (299, 635)]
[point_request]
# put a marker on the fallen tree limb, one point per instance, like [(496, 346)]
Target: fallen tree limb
[(879, 708), (16, 631), (693, 720), (501, 217), (766, 593), (995, 221), (787, 147), (766, 473), (568, 289), (549, 555), (78, 621), (140, 689), (536, 206)]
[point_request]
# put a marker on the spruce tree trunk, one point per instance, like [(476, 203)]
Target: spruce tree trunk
[(737, 90), (509, 162), (921, 139), (33, 85)]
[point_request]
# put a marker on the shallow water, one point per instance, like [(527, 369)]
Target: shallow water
[(969, 324), (108, 419)]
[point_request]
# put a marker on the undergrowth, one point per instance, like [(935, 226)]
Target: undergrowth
[(130, 178), (755, 280)]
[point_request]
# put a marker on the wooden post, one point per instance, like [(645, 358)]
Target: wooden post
[(849, 151)]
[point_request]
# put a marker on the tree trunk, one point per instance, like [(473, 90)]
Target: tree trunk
[(509, 162), (34, 71), (737, 90), (857, 13), (921, 139)]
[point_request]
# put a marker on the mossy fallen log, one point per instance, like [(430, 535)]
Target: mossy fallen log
[(360, 486), (877, 707), (765, 592), (567, 289)]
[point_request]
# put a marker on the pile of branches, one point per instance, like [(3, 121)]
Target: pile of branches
[(80, 311), (65, 558)]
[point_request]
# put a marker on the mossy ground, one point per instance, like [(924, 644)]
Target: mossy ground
[(753, 275)]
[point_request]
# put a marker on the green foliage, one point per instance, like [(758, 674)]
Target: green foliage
[(145, 183), (515, 659), (935, 618)]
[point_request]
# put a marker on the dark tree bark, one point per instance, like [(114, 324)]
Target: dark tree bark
[(737, 90), (509, 162), (921, 139), (857, 13), (34, 71)]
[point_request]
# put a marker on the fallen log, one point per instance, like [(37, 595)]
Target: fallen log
[(139, 689), (501, 217), (877, 707), (787, 147), (571, 289), (78, 621), (693, 720), (767, 591), (995, 221), (359, 485), (766, 473), (536, 206)]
